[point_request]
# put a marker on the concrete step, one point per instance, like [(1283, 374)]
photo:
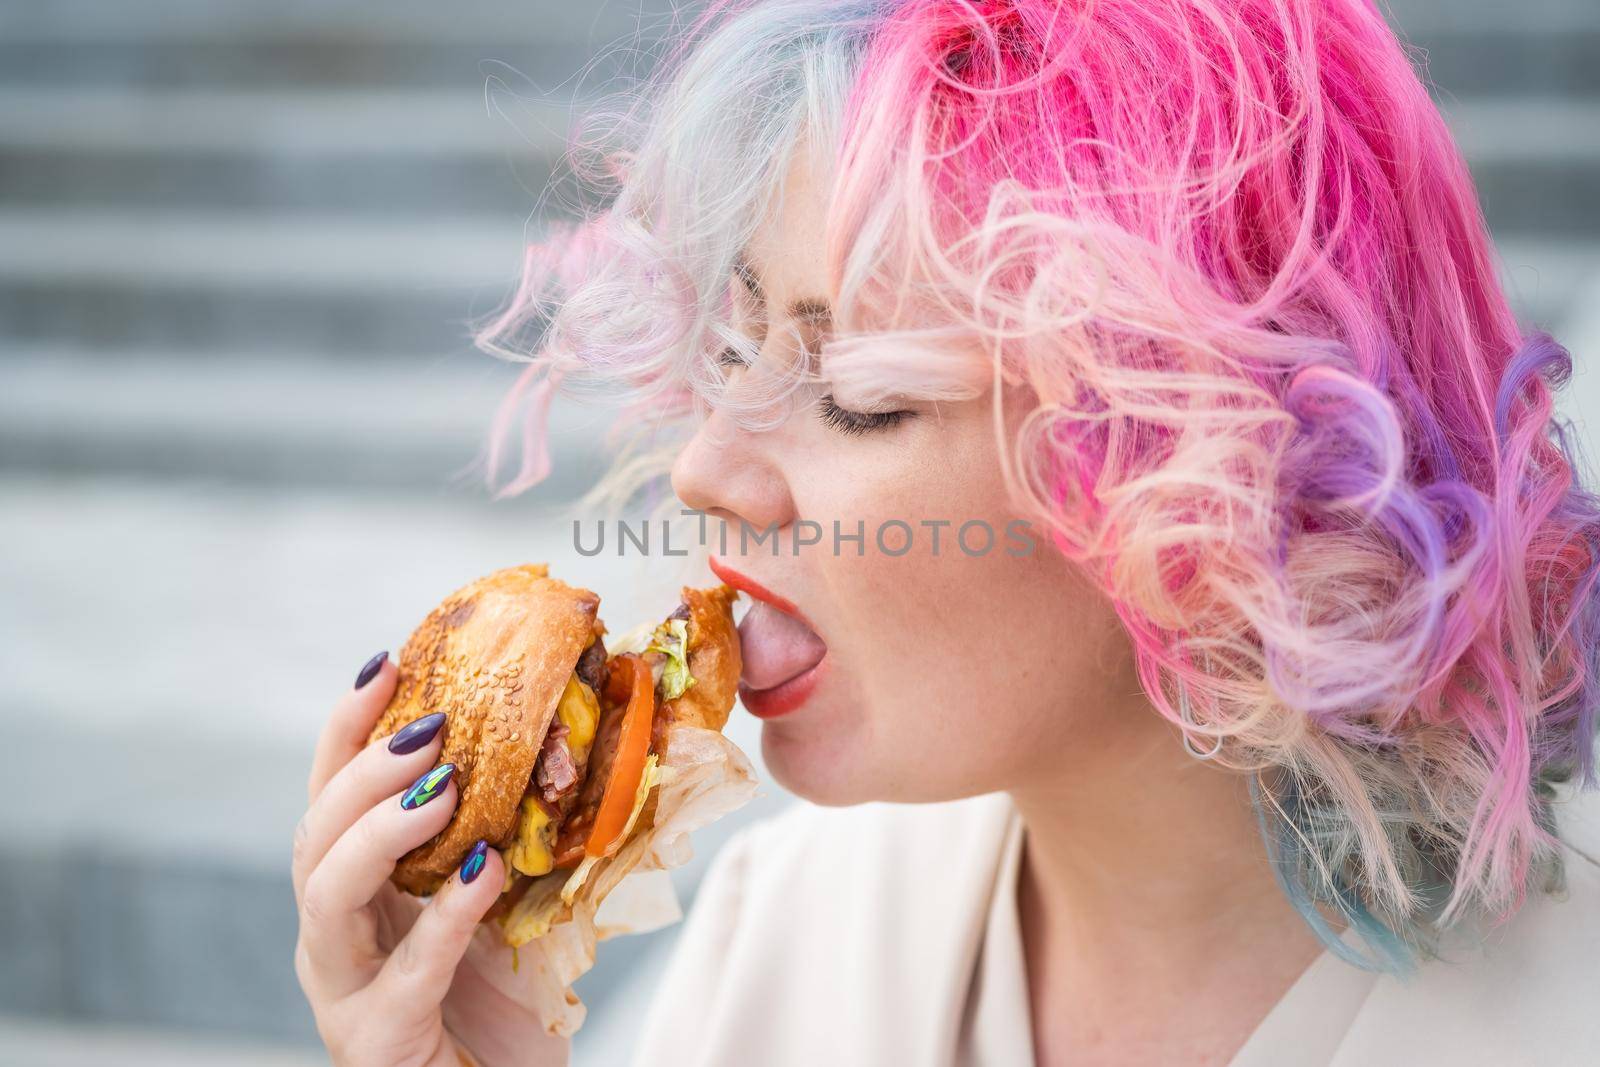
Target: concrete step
[(360, 153), (1535, 161), (370, 46), (273, 419), (286, 60), (606, 1040), (1489, 48), (196, 43), (78, 1044), (419, 123), (403, 20), (221, 252), (422, 152), (1485, 49), (1508, 130), (1505, 61), (422, 19), (358, 325), (182, 280), (1547, 280), (1491, 16)]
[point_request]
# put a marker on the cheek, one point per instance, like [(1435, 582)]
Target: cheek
[(956, 675), (954, 672), (987, 668)]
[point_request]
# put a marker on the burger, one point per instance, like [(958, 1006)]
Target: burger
[(577, 760)]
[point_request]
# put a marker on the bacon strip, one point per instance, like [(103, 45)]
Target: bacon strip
[(556, 774)]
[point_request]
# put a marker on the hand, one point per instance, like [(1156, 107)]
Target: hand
[(392, 979)]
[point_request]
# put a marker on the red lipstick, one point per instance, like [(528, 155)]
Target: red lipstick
[(745, 584), (784, 698)]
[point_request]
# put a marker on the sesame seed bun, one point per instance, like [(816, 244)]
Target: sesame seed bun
[(494, 657)]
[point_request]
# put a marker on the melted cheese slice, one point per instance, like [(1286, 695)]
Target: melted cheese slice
[(532, 852), (580, 711), (533, 914), (533, 849)]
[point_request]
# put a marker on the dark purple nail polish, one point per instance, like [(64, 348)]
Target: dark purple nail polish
[(472, 866), (416, 733), (371, 669)]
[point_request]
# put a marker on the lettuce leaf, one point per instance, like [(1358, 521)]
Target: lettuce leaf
[(671, 639)]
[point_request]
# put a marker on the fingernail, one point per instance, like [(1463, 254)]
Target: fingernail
[(428, 786), (472, 866), (370, 670), (416, 734)]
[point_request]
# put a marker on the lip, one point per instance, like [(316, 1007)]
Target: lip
[(746, 584), (783, 697)]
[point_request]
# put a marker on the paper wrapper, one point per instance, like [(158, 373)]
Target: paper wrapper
[(704, 777)]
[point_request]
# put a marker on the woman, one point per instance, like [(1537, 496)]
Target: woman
[(1257, 756)]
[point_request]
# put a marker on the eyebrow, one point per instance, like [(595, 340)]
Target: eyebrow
[(811, 309)]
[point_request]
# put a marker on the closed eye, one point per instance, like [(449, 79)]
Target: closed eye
[(851, 422), (842, 419)]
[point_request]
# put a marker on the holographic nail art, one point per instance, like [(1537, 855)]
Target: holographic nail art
[(428, 786), (472, 866)]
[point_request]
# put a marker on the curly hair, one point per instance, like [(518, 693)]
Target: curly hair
[(1285, 416)]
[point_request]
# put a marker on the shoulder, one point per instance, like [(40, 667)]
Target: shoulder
[(1547, 955), (881, 842), (830, 869), (1522, 992), (819, 913)]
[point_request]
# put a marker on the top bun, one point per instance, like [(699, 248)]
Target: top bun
[(714, 659), (494, 657)]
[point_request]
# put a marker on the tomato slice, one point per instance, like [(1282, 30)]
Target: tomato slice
[(633, 748), (629, 678)]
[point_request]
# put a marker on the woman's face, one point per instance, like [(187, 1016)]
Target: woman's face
[(930, 675)]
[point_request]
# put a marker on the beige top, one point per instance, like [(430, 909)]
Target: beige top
[(889, 934)]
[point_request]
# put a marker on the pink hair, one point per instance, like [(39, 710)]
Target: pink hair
[(1285, 415)]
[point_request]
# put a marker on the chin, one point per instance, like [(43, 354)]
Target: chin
[(838, 770), (824, 770)]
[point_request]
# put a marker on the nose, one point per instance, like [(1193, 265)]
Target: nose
[(733, 474)]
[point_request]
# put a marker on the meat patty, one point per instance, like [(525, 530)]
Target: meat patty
[(591, 669)]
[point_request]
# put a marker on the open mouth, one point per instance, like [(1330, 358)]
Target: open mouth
[(782, 660)]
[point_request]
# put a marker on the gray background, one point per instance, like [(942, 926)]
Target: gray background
[(240, 241)]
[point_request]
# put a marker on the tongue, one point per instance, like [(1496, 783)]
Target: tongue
[(775, 646)]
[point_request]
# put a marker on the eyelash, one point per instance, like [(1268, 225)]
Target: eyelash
[(857, 422), (845, 421)]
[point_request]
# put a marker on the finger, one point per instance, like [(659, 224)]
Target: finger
[(354, 714), (423, 965), (382, 768), (335, 924)]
